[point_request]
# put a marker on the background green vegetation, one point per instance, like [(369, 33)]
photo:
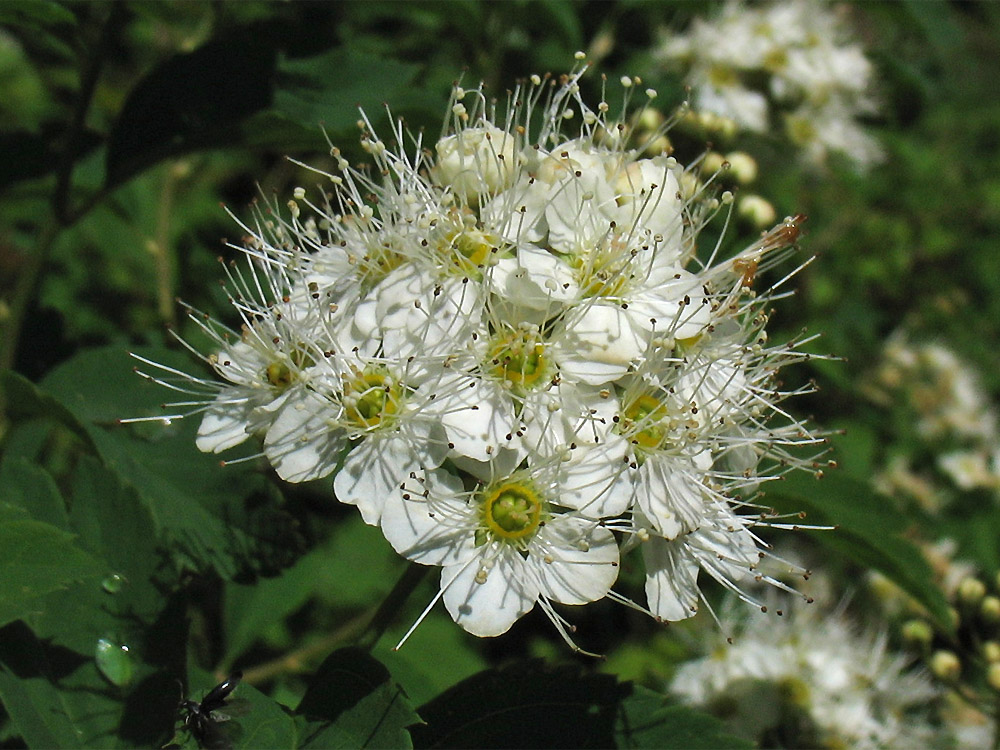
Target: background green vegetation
[(125, 125)]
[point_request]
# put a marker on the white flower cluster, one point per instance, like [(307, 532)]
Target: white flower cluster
[(791, 59), (504, 350), (953, 409), (855, 691)]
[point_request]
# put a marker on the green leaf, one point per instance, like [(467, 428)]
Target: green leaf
[(867, 534), (31, 155), (30, 487), (35, 14), (265, 723), (227, 518), (352, 702), (329, 88), (37, 559), (330, 572), (24, 400), (436, 656), (58, 698), (40, 711), (129, 635), (189, 102), (526, 704), (646, 719)]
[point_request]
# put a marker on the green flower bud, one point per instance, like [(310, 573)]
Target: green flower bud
[(991, 651), (990, 609), (971, 591), (993, 676), (917, 633), (946, 666)]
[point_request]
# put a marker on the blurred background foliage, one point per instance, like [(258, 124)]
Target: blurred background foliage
[(126, 127)]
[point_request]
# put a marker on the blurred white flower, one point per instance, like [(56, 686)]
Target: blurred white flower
[(788, 64), (855, 691)]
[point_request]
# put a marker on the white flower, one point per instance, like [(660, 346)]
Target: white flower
[(755, 64), (856, 692), (505, 350), (502, 547)]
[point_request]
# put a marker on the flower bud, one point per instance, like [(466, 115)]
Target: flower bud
[(918, 633), (971, 591), (756, 210), (713, 162), (991, 651), (993, 676), (476, 161), (744, 167), (989, 608), (945, 666)]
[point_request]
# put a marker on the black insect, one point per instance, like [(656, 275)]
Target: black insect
[(204, 720)]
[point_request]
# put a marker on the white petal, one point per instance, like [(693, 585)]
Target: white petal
[(477, 416), (372, 471), (534, 279), (435, 531), (598, 345), (491, 607), (671, 579), (595, 480), (225, 423), (575, 560), (670, 495), (301, 444)]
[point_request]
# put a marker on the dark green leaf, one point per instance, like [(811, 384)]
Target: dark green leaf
[(37, 559), (330, 88), (867, 534), (209, 515), (526, 704), (30, 487), (352, 702), (647, 719), (30, 155), (434, 657), (56, 697), (354, 568), (35, 14), (44, 715), (264, 723), (24, 400), (190, 102)]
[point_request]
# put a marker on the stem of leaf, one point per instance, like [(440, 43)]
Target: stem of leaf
[(392, 604), (301, 659), (370, 628)]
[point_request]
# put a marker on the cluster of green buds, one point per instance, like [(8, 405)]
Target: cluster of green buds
[(966, 660), (735, 171)]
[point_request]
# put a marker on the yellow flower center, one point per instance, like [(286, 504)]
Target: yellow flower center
[(645, 421), (603, 271), (371, 397), (283, 373), (518, 357), (511, 511)]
